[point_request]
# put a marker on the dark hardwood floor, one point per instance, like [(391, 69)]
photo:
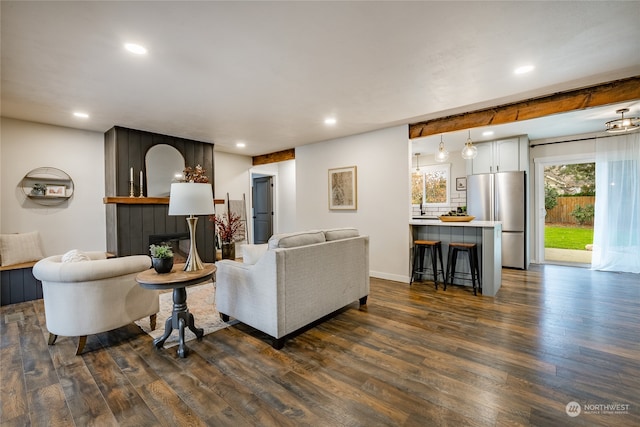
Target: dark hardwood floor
[(413, 357)]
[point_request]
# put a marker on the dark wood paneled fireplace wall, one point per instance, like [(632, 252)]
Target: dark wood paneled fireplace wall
[(130, 221)]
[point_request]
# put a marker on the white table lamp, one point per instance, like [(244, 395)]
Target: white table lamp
[(190, 198)]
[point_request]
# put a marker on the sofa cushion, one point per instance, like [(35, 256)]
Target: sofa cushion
[(75, 255), (293, 240), (20, 247), (340, 233), (252, 253)]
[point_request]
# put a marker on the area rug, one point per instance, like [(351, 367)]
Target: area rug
[(201, 303)]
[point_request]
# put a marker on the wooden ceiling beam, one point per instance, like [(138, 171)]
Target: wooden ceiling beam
[(279, 156), (561, 102)]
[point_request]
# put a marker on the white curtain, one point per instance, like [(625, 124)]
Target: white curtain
[(616, 240)]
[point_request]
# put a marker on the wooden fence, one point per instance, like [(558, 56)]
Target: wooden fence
[(561, 213)]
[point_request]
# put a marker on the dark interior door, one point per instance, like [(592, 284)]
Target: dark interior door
[(262, 209)]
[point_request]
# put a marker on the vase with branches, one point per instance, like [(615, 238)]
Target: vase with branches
[(230, 229), (197, 174)]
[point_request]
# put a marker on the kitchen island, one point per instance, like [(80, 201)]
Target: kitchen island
[(486, 234)]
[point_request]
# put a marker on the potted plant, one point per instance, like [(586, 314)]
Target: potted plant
[(161, 257), (229, 227)]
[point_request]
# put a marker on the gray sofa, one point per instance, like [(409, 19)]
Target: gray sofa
[(300, 278)]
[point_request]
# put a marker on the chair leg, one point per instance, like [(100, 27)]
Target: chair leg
[(432, 251), (52, 338), (81, 342), (472, 265), (278, 343), (475, 254), (152, 321), (421, 252), (449, 262), (413, 264), (439, 249), (454, 260)]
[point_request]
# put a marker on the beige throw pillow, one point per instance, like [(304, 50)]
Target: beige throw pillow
[(20, 247), (252, 253)]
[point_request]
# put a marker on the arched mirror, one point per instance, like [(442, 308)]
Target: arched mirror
[(163, 163)]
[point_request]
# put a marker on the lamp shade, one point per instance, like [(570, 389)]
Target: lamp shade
[(190, 198)]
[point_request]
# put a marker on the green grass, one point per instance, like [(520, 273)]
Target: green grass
[(567, 237)]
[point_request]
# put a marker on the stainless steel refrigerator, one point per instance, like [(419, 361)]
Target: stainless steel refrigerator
[(501, 197)]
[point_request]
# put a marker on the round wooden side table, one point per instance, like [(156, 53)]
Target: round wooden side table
[(178, 280)]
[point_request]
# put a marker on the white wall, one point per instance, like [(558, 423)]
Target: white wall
[(76, 224), (284, 194), (231, 175), (287, 195), (382, 160)]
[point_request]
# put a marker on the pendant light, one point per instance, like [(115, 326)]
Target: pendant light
[(417, 162), (623, 124), (469, 151), (442, 154)]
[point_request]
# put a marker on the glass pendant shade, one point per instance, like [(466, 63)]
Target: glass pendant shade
[(442, 154), (469, 151)]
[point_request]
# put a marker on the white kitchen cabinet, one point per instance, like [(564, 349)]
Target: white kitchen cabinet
[(483, 162), (505, 155)]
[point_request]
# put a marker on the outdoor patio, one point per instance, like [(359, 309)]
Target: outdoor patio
[(567, 256)]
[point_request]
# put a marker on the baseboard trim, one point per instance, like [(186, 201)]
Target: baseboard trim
[(389, 276)]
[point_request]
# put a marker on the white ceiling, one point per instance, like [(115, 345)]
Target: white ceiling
[(268, 73)]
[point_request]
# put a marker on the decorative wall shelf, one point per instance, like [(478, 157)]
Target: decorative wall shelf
[(47, 186)]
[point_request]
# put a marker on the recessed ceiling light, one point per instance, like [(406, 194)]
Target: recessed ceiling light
[(524, 69), (135, 48), (81, 115), (487, 133), (241, 145), (330, 121)]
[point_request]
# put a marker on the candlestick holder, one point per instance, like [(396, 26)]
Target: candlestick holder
[(131, 192), (141, 184)]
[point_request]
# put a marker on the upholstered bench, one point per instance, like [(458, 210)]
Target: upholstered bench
[(17, 283), (19, 252)]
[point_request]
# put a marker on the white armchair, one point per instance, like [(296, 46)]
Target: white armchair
[(97, 295)]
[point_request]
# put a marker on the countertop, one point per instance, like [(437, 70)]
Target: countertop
[(474, 223)]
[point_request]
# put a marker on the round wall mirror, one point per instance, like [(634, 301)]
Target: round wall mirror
[(164, 165)]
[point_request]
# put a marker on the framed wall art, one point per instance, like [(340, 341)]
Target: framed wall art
[(56, 190), (461, 184), (343, 188)]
